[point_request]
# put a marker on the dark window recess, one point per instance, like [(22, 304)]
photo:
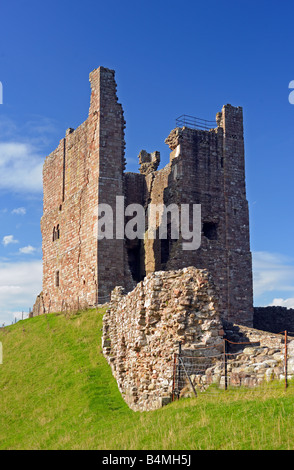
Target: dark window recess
[(57, 279), (134, 259), (56, 233), (165, 243), (210, 230), (165, 250)]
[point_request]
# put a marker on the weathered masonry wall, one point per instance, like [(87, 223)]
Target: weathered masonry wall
[(207, 168), (70, 197), (86, 169), (274, 319), (142, 330)]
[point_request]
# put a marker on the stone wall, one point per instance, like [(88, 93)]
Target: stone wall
[(85, 170), (142, 330), (274, 319)]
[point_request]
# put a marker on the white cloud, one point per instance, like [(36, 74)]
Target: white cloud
[(20, 167), (27, 250), (289, 303), (23, 149), (9, 239), (20, 283), (273, 273), (19, 211)]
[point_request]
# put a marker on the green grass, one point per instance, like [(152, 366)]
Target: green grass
[(57, 392)]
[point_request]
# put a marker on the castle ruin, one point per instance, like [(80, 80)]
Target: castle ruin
[(88, 169)]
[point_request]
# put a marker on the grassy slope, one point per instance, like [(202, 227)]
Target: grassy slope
[(57, 392)]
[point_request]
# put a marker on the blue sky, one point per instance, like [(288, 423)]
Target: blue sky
[(170, 58)]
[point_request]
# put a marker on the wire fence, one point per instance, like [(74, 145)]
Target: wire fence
[(65, 307), (20, 316), (196, 371)]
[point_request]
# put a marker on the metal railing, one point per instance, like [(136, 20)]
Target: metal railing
[(194, 122), (190, 371)]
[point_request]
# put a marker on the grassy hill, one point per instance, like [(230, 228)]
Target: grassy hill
[(57, 392)]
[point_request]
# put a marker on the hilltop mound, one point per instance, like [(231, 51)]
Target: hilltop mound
[(57, 392)]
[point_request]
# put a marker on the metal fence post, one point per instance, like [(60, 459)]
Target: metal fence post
[(179, 366), (286, 361), (225, 364), (174, 376)]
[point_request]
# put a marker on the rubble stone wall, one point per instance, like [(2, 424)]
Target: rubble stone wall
[(142, 331)]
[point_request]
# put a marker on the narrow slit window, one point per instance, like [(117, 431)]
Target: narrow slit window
[(56, 233), (57, 279)]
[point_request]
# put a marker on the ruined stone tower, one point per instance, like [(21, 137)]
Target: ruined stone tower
[(206, 167)]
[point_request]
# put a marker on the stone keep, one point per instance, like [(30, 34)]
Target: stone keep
[(88, 168)]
